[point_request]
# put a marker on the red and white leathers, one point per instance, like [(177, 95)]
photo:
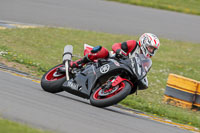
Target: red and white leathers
[(129, 48), (90, 55), (148, 44)]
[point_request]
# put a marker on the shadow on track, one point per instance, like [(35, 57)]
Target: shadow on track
[(74, 99), (115, 109)]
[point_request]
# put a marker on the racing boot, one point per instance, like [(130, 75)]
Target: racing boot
[(74, 64), (79, 63)]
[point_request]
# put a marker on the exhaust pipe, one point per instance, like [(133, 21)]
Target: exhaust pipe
[(67, 57)]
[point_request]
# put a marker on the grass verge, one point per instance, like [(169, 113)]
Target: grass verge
[(7, 126), (41, 48), (184, 6)]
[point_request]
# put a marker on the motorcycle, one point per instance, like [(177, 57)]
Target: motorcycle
[(104, 82)]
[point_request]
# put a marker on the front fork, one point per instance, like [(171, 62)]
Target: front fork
[(67, 69)]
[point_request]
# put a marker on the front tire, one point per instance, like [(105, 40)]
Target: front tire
[(53, 84), (124, 89)]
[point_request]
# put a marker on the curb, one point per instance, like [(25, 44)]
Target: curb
[(11, 25)]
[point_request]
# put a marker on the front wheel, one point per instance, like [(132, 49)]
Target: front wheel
[(52, 81), (103, 98)]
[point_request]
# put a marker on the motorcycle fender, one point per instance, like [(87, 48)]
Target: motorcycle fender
[(119, 80)]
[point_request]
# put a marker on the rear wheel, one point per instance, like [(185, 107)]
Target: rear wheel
[(52, 81), (106, 97)]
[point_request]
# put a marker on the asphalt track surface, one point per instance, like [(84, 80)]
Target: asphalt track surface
[(104, 16), (23, 100)]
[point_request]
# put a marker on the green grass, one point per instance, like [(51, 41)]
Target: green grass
[(185, 6), (42, 48), (7, 126)]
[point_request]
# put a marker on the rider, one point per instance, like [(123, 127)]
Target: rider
[(148, 44)]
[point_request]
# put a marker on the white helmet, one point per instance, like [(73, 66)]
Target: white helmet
[(149, 44)]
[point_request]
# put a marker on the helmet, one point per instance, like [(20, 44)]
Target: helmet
[(149, 44)]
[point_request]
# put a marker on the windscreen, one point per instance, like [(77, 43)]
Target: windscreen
[(141, 65), (146, 63)]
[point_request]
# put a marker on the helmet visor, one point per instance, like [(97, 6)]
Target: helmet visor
[(151, 50)]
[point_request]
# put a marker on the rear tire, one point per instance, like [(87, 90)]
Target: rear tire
[(51, 84), (98, 101)]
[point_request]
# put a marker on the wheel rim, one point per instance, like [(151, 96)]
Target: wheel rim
[(49, 76), (109, 92)]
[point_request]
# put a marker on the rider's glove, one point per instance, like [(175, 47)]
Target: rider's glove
[(120, 53)]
